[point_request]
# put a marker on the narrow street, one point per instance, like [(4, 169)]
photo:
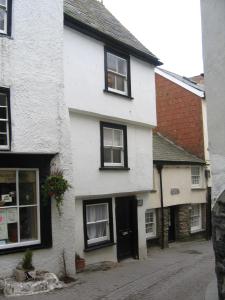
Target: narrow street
[(181, 272)]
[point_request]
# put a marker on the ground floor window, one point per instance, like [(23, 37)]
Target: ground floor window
[(19, 208), (97, 222), (150, 223), (196, 218)]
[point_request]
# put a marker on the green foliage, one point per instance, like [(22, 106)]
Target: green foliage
[(55, 186), (27, 260)]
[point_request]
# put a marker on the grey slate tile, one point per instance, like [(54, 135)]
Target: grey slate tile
[(167, 151), (94, 14)]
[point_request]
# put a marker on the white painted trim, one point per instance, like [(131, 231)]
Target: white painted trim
[(110, 118), (180, 83), (111, 195), (37, 205), (199, 227), (150, 235)]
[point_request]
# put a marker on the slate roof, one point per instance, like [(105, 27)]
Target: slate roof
[(165, 150), (186, 80), (94, 14)]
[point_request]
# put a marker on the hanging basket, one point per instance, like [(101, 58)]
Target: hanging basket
[(54, 187)]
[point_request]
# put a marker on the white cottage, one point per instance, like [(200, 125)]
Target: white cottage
[(33, 133), (110, 93)]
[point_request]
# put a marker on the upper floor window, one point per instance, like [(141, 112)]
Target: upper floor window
[(4, 119), (113, 145), (117, 73), (5, 16), (195, 176)]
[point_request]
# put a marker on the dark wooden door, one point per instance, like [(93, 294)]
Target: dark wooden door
[(127, 228), (171, 224)]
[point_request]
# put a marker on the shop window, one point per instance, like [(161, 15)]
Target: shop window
[(19, 208)]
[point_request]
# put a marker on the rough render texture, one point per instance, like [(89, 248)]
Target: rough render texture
[(31, 64), (213, 24), (179, 115)]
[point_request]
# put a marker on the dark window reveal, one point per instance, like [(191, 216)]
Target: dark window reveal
[(117, 77), (113, 145)]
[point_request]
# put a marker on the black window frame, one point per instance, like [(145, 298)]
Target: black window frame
[(41, 162), (6, 91), (125, 148), (127, 58), (9, 19), (102, 244)]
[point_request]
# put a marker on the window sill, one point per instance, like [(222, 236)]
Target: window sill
[(4, 149), (151, 237), (5, 35), (153, 191), (197, 231), (23, 249), (118, 94), (198, 189), (114, 169), (99, 246)]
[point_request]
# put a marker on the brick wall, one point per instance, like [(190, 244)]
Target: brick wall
[(179, 115)]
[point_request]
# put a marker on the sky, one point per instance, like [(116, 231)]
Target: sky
[(171, 29)]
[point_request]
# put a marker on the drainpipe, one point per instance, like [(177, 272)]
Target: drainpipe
[(159, 169)]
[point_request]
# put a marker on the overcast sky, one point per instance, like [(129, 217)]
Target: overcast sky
[(171, 29)]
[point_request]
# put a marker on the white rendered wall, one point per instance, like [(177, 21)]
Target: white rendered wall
[(89, 180), (31, 65), (213, 31), (110, 253), (85, 82), (178, 177)]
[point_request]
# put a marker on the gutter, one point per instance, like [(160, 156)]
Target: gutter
[(101, 36), (159, 169)]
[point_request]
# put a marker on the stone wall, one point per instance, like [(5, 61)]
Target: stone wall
[(159, 226), (183, 222)]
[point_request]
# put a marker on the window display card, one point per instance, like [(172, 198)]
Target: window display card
[(7, 198), (3, 232), (3, 216), (12, 215)]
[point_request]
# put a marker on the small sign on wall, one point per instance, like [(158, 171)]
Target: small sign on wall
[(174, 191), (140, 202)]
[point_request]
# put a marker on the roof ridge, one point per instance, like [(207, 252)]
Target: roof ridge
[(93, 18), (184, 79)]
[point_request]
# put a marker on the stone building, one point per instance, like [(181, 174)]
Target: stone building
[(178, 198)]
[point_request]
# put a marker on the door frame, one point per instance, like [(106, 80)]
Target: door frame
[(134, 217), (173, 215)]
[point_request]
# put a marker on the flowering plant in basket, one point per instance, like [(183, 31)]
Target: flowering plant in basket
[(55, 186)]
